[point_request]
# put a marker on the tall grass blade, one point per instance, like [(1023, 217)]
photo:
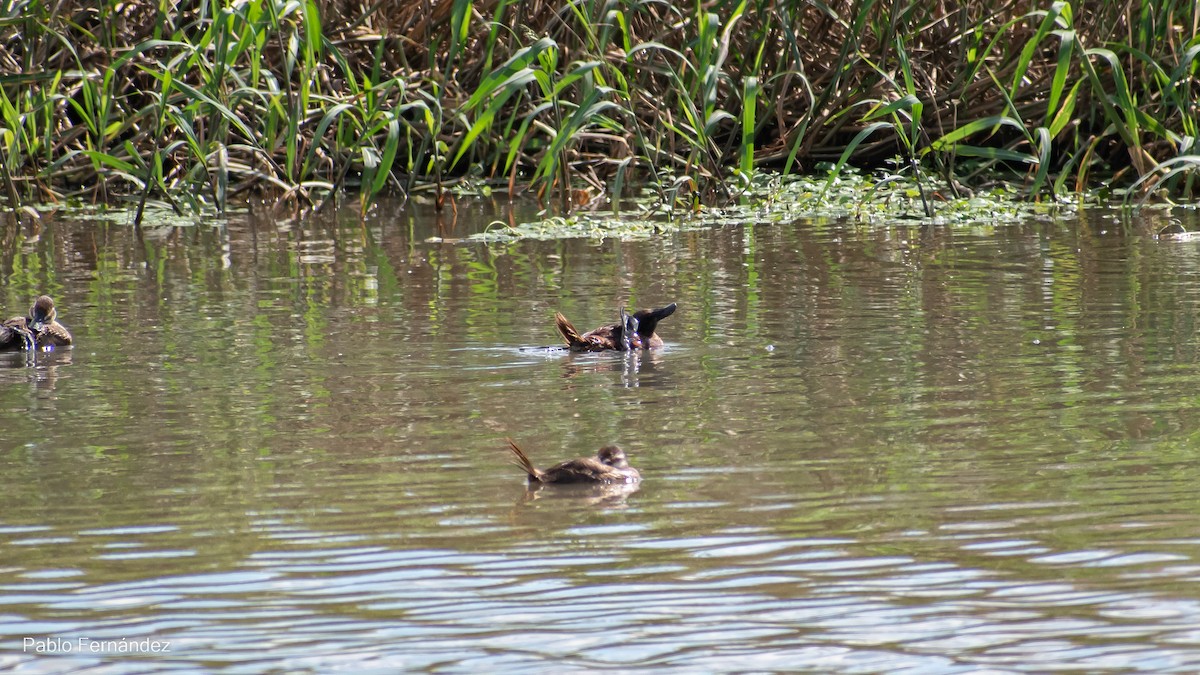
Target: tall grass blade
[(750, 90)]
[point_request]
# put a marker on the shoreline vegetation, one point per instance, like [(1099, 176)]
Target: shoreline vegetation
[(202, 105)]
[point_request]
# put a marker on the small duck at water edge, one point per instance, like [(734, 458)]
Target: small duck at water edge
[(39, 330), (608, 466), (633, 331)]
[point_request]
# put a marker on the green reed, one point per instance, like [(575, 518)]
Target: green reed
[(206, 103)]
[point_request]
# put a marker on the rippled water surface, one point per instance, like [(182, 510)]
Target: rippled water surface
[(279, 447)]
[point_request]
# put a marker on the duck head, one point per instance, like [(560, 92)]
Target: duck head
[(613, 456), (646, 320), (42, 313)]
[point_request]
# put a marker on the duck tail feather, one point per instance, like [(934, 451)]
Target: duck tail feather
[(522, 460), (567, 330)]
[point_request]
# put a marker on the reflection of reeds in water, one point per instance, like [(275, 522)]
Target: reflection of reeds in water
[(41, 371)]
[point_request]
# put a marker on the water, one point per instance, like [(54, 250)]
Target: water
[(280, 447)]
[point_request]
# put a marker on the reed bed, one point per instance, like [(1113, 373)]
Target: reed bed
[(203, 103)]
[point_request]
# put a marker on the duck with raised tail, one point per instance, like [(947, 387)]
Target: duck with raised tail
[(610, 465), (633, 331)]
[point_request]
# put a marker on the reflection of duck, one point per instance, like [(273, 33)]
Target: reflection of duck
[(631, 367), (39, 329), (608, 466), (634, 331), (607, 495)]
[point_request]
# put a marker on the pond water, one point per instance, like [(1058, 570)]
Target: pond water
[(279, 446)]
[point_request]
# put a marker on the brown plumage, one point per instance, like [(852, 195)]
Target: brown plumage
[(634, 331), (41, 325), (42, 321), (608, 466), (603, 338), (16, 336)]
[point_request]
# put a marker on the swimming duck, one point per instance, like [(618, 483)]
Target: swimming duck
[(633, 331), (42, 323), (608, 466), (16, 336)]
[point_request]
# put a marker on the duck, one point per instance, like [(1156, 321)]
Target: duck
[(633, 331), (16, 336), (42, 323), (610, 465)]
